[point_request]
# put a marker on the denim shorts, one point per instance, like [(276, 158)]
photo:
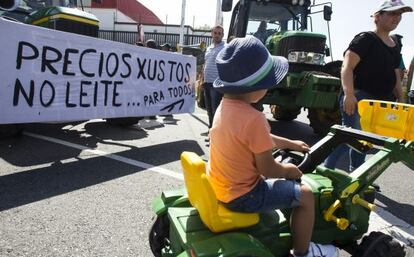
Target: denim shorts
[(268, 195)]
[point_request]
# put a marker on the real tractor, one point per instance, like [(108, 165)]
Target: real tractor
[(286, 28)]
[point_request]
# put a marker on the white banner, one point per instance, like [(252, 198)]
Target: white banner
[(49, 75)]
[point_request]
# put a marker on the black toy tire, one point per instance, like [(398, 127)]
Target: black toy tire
[(284, 114), (159, 234), (378, 244)]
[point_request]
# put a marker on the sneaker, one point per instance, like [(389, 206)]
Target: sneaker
[(318, 250)]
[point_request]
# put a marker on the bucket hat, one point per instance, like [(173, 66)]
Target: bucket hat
[(393, 5), (245, 65)]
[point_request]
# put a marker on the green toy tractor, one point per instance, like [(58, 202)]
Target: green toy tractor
[(191, 222), (285, 27)]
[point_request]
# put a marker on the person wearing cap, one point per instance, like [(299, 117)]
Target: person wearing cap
[(241, 168), (212, 98), (370, 70)]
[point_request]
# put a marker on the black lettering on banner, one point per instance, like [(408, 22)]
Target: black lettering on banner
[(124, 59), (179, 74), (95, 94), (20, 56), (18, 87), (106, 83), (161, 65), (115, 69), (172, 63), (68, 104), (48, 62), (154, 69), (115, 93), (82, 93), (101, 61), (52, 97), (187, 72), (141, 67), (67, 61), (153, 98), (85, 73)]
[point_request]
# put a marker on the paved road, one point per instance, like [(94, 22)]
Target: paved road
[(86, 189)]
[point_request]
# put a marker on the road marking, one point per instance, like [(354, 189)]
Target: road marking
[(381, 220), (109, 155)]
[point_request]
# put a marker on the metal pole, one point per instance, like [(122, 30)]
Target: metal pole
[(183, 2), (219, 15)]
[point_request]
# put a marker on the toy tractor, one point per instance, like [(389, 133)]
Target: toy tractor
[(191, 222)]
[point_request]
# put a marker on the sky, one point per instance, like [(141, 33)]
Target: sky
[(348, 19)]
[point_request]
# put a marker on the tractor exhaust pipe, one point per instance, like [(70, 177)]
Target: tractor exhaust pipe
[(9, 5)]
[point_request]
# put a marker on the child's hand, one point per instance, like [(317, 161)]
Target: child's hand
[(291, 171), (299, 146)]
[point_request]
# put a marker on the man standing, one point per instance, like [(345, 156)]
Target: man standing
[(211, 96)]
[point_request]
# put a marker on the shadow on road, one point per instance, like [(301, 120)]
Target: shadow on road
[(59, 178)]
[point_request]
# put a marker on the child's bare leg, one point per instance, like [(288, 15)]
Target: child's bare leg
[(302, 220)]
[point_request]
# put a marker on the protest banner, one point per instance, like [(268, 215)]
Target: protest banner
[(49, 75)]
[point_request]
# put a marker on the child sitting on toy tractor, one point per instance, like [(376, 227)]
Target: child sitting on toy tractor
[(242, 170)]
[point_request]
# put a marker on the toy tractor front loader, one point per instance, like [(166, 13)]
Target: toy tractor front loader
[(191, 222)]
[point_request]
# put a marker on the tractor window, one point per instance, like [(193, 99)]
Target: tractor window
[(267, 18)]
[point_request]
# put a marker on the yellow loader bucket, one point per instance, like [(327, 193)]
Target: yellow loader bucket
[(387, 118)]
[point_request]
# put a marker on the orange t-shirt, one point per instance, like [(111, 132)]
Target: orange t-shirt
[(238, 132)]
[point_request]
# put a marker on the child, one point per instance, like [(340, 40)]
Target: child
[(241, 145)]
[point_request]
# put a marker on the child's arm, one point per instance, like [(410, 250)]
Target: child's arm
[(270, 168), (284, 143)]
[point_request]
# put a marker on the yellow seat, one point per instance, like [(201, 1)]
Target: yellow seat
[(202, 197), (387, 118)]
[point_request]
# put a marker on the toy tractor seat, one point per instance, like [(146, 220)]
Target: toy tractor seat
[(202, 197), (387, 118)]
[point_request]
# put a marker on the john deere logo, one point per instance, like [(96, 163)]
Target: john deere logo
[(391, 117)]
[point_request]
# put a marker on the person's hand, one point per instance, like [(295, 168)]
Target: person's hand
[(291, 171), (300, 146), (350, 104)]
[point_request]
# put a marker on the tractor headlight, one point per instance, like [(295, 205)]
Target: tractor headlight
[(306, 57)]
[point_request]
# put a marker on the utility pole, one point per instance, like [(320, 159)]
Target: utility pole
[(183, 3), (219, 14)]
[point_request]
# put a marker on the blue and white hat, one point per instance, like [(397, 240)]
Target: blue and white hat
[(245, 65)]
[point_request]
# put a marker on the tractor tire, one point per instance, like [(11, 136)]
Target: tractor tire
[(159, 235), (11, 130), (123, 122), (284, 114), (378, 244), (322, 119)]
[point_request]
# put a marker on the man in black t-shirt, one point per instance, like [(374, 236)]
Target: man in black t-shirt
[(370, 70)]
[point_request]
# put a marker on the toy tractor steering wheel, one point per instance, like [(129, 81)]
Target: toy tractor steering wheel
[(300, 159)]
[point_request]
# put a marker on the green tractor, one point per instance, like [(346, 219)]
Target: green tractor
[(55, 15), (283, 26), (191, 221)]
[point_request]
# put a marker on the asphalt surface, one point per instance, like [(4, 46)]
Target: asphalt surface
[(86, 189)]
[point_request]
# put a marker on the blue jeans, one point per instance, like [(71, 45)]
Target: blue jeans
[(212, 99), (268, 195), (355, 158)]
